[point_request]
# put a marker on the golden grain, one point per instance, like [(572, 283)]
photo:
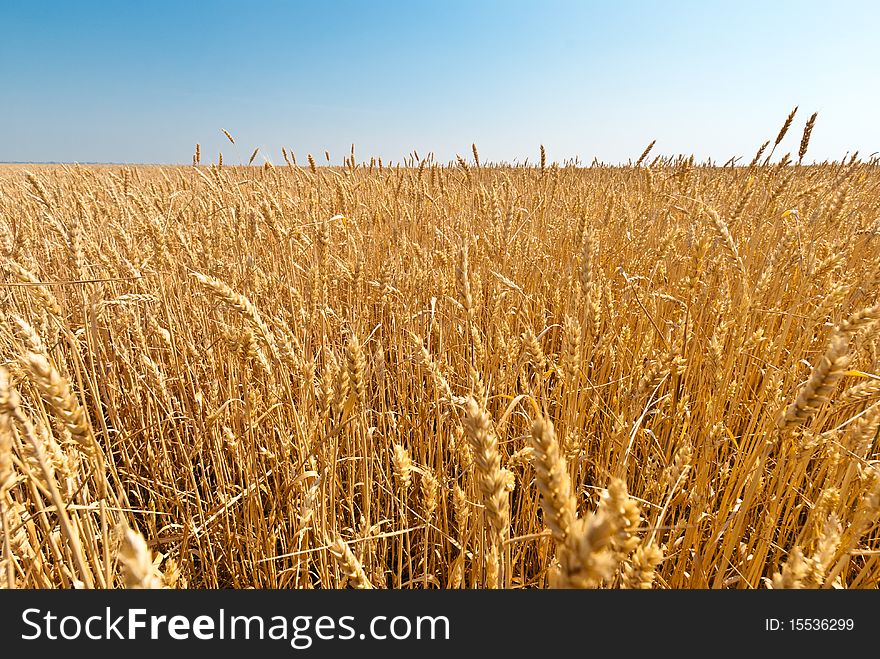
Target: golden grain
[(477, 374)]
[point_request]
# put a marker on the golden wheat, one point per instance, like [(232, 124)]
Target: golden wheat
[(427, 374)]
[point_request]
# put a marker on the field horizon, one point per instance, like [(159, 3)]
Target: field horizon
[(663, 374)]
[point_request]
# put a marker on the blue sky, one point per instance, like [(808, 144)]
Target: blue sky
[(144, 81)]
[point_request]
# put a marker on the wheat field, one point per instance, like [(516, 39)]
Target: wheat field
[(426, 375)]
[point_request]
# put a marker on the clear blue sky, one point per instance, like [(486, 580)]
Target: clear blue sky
[(144, 81)]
